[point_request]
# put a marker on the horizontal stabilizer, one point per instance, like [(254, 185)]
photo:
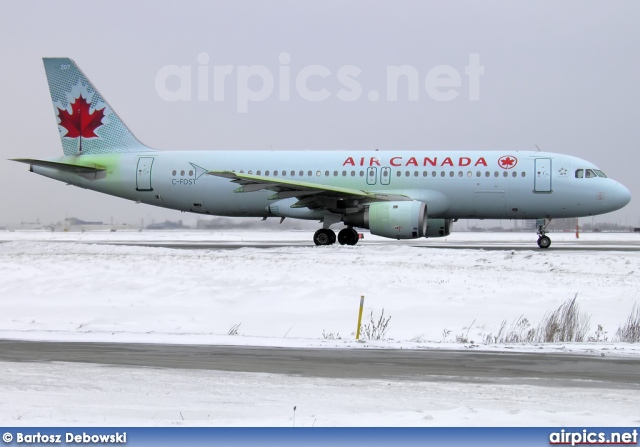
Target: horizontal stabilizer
[(67, 167)]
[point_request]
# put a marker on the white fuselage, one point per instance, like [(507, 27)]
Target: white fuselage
[(473, 184)]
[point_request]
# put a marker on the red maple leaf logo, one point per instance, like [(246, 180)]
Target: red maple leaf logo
[(80, 122), (507, 162)]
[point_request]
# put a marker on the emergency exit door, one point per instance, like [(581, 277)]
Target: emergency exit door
[(385, 176), (542, 177), (143, 175), (371, 176)]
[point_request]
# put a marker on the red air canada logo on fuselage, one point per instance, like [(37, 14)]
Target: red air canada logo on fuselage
[(415, 161), (507, 162)]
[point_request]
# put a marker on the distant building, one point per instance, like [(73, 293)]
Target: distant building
[(167, 225), (74, 221), (31, 225)]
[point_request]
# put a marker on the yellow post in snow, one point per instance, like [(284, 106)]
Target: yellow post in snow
[(360, 317)]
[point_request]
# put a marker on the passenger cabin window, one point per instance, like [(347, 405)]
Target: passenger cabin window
[(579, 173)]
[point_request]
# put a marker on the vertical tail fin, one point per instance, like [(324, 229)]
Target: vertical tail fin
[(86, 123)]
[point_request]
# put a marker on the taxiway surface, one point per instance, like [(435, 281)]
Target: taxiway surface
[(546, 369)]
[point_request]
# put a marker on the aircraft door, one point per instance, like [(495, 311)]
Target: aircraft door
[(542, 177), (385, 176), (143, 174), (371, 176)]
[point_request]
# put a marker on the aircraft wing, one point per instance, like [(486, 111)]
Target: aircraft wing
[(310, 195)]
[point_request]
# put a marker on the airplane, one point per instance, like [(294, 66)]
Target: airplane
[(395, 194)]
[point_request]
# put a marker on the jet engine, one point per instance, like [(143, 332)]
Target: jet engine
[(398, 220), (439, 227)]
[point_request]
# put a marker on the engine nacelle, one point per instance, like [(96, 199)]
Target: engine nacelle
[(398, 220), (439, 227)]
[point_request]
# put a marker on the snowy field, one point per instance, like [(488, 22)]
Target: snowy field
[(73, 286), (85, 287)]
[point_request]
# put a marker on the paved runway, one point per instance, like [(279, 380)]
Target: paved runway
[(436, 244), (382, 364)]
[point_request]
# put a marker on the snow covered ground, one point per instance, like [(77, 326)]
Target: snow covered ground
[(89, 395), (81, 287), (290, 294)]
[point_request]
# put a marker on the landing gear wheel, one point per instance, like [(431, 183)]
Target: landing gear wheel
[(355, 237), (544, 242), (324, 236), (348, 236)]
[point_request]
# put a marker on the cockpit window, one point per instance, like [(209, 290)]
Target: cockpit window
[(589, 173)]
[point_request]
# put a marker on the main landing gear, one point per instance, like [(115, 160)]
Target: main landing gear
[(346, 236), (324, 236), (543, 240)]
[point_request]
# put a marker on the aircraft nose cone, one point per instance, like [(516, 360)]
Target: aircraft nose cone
[(621, 196)]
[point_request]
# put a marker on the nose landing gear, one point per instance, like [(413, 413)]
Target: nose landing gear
[(544, 241)]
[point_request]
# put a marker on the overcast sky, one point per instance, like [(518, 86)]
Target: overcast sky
[(562, 75)]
